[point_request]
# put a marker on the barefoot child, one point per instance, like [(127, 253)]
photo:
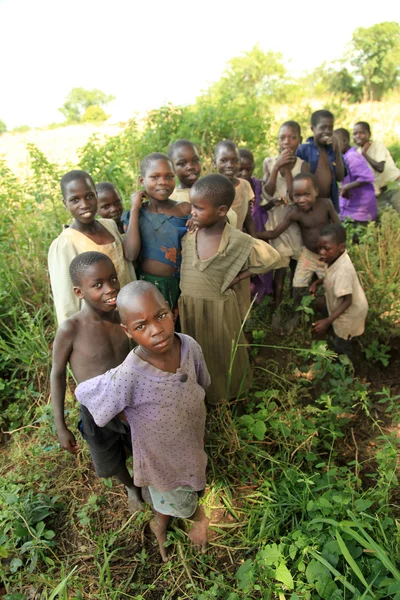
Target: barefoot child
[(213, 259), (161, 387), (323, 154), (260, 284), (156, 227), (83, 235), (110, 203), (345, 299), (278, 201), (92, 342), (382, 165)]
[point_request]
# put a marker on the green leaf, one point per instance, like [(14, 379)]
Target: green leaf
[(259, 430), (245, 573), (362, 504), (270, 555), (15, 564), (283, 575)]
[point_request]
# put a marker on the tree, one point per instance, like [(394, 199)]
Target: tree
[(80, 100), (375, 55), (3, 127)]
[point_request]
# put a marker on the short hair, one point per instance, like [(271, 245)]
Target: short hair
[(365, 125), (245, 153), (226, 144), (82, 262), (335, 231), (180, 144), (320, 114), (293, 124), (150, 158), (73, 176), (343, 132), (307, 175), (132, 289), (106, 186), (217, 188)]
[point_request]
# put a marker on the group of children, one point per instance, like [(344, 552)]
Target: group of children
[(184, 256)]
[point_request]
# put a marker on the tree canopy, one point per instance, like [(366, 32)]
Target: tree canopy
[(79, 102)]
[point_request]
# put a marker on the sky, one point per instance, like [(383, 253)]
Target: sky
[(147, 53)]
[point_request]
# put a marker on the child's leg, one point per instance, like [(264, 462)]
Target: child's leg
[(158, 525), (199, 530), (279, 280), (134, 498)]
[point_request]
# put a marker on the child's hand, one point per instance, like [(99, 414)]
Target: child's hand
[(366, 147), (345, 191), (191, 227), (313, 288), (137, 199), (335, 142), (321, 326), (286, 158), (67, 441)]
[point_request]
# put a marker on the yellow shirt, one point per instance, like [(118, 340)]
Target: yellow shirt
[(378, 152)]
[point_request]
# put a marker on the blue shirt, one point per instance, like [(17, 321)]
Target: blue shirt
[(310, 153)]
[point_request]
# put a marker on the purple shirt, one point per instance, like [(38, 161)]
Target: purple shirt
[(361, 204), (166, 413)]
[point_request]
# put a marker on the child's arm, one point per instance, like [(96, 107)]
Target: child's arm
[(131, 241), (314, 286), (262, 258), (339, 168), (377, 165), (275, 233), (333, 215), (62, 349), (249, 223), (323, 325)]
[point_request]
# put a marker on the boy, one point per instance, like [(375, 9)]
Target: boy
[(161, 387), (345, 299), (357, 194), (92, 342), (110, 203), (323, 154)]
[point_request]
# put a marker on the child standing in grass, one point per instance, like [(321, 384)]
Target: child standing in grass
[(92, 342), (110, 203), (345, 299), (83, 235), (214, 259), (160, 387)]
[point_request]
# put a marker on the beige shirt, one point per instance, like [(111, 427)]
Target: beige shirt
[(244, 194), (378, 151), (340, 280), (63, 250), (182, 195)]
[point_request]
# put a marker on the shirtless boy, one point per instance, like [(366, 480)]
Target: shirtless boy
[(92, 342)]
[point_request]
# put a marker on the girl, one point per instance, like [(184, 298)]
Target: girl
[(260, 284), (278, 201), (161, 387), (110, 203), (153, 236), (214, 259), (382, 165), (83, 235)]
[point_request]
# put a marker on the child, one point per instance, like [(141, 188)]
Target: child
[(213, 259), (155, 229), (110, 203), (357, 194), (345, 299), (161, 387), (323, 154), (92, 342), (84, 234), (382, 165), (278, 201), (260, 284), (311, 213)]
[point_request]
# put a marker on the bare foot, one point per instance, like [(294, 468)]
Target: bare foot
[(160, 532), (198, 533), (134, 500), (276, 324)]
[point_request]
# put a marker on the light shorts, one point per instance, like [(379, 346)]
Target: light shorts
[(180, 502), (308, 264)]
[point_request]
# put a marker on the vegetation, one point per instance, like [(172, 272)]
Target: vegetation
[(3, 127), (85, 105)]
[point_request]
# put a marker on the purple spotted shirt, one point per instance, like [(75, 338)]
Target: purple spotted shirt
[(166, 413)]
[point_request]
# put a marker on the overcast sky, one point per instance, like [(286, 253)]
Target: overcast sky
[(147, 53)]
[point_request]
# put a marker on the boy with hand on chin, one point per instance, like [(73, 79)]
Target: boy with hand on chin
[(92, 342), (345, 299)]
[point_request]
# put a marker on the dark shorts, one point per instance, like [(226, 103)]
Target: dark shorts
[(107, 444), (168, 286)]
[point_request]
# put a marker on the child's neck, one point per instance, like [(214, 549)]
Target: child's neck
[(84, 227), (214, 230), (183, 186), (160, 206), (100, 315), (168, 362)]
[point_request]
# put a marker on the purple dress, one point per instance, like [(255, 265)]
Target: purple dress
[(361, 204), (260, 284)]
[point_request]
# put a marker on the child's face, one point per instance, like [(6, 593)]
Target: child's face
[(99, 286), (187, 165), (81, 200), (304, 194), (159, 180), (343, 143), (109, 205), (360, 135), (227, 161), (329, 250), (149, 323), (323, 131), (246, 168), (288, 139), (204, 212)]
